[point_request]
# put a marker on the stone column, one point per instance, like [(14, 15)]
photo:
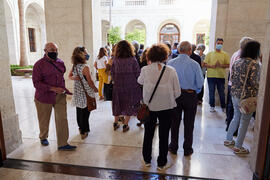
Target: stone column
[(23, 54), (68, 30), (12, 133)]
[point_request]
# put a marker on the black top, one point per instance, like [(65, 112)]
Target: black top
[(196, 58)]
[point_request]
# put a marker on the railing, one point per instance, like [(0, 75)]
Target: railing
[(123, 3), (166, 2), (135, 2), (105, 2)]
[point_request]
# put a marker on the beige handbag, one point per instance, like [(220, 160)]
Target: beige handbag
[(248, 105)]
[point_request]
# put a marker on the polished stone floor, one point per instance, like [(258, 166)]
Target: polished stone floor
[(115, 149)]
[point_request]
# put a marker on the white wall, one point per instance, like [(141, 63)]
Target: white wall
[(185, 14), (12, 19), (35, 19)]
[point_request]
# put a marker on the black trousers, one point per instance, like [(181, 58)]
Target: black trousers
[(229, 108), (200, 95), (83, 119), (187, 102), (164, 118)]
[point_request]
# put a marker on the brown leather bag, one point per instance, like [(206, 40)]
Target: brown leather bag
[(91, 102)]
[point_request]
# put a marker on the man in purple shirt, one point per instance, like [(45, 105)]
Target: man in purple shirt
[(48, 79)]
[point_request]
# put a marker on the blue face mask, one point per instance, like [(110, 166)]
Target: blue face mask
[(219, 46), (87, 56)]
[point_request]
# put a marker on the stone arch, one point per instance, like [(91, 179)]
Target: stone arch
[(201, 30), (105, 26), (170, 31), (35, 30), (12, 33), (135, 24)]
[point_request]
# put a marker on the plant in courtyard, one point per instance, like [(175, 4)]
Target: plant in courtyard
[(13, 68), (114, 35), (136, 34)]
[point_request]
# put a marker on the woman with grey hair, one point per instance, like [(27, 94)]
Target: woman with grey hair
[(200, 52)]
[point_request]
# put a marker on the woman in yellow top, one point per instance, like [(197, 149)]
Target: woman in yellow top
[(100, 65)]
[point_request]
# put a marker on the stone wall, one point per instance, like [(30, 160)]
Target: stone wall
[(12, 133), (238, 18), (70, 23)]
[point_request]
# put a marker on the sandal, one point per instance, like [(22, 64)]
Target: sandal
[(115, 126), (229, 143), (240, 150), (125, 128)]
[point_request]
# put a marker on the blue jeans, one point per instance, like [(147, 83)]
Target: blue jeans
[(220, 83), (238, 118)]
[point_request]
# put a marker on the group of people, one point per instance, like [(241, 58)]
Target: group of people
[(135, 73)]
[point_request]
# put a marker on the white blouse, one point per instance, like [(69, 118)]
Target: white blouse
[(167, 91), (101, 62)]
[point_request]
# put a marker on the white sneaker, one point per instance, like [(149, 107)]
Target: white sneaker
[(162, 168), (212, 109), (147, 164)]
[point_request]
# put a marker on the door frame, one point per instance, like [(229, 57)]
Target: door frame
[(2, 143), (263, 156)]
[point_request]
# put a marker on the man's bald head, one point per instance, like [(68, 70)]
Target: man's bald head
[(185, 48), (51, 50), (50, 46)]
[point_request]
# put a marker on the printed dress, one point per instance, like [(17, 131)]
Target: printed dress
[(126, 91), (79, 98)]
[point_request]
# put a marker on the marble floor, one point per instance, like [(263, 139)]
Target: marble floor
[(115, 149)]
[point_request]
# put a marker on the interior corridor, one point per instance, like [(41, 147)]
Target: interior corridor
[(117, 150)]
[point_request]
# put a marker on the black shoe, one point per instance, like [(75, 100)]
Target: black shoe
[(115, 126), (172, 151), (125, 128), (44, 142), (188, 153), (67, 148)]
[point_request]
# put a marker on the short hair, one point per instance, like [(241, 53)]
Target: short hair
[(175, 44), (136, 46), (251, 50), (193, 47), (201, 47), (78, 56), (157, 53), (168, 44), (185, 46), (102, 52), (244, 41), (141, 46), (219, 39), (143, 56), (124, 50)]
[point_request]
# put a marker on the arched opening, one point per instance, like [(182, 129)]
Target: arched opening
[(135, 30), (105, 25), (201, 32), (35, 32), (12, 34), (169, 33)]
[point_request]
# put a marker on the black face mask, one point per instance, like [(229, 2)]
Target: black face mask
[(53, 55)]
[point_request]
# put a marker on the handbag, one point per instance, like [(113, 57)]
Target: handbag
[(144, 113), (91, 102), (248, 105)]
